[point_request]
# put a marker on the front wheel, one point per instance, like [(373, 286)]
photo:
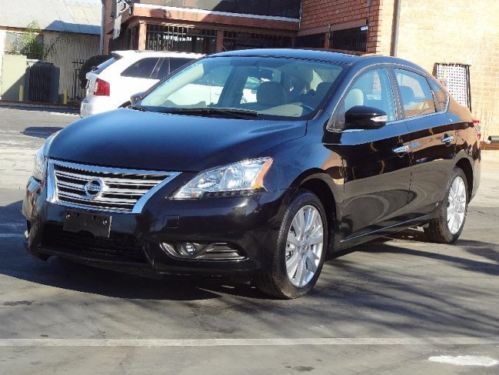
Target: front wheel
[(300, 249), (451, 215)]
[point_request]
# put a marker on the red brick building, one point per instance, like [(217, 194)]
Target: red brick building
[(456, 40)]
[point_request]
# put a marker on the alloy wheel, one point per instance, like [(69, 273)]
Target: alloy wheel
[(456, 208), (304, 246)]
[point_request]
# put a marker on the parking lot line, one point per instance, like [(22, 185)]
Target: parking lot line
[(155, 343)]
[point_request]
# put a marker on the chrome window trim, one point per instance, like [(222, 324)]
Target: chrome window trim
[(52, 195)]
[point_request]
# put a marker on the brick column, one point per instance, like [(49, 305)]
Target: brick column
[(220, 40)]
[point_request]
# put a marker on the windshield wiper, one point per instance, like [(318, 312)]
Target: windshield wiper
[(138, 108), (226, 112)]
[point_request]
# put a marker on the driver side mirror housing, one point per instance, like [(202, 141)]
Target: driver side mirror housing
[(136, 98), (363, 117)]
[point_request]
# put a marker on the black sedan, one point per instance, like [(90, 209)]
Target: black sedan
[(257, 163)]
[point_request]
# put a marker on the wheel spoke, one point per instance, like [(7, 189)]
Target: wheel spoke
[(316, 239), (292, 263), (311, 266), (311, 217), (292, 240), (299, 271)]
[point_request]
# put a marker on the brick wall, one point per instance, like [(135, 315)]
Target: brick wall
[(457, 32), (317, 14)]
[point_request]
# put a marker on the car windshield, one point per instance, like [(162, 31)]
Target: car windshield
[(252, 86)]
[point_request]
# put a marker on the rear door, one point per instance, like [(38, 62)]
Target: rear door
[(376, 161), (431, 136)]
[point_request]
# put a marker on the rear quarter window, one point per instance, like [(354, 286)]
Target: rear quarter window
[(103, 66), (141, 69), (441, 95)]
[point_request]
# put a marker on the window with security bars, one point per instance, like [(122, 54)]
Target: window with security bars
[(311, 41), (456, 78), (242, 40), (354, 39), (180, 39), (276, 8)]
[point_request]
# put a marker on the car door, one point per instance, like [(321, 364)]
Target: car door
[(432, 139), (376, 162)]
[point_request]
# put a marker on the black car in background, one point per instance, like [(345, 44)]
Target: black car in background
[(257, 163)]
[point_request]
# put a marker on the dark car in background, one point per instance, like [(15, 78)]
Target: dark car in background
[(259, 164)]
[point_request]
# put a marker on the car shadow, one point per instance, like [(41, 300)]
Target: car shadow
[(41, 131), (395, 298)]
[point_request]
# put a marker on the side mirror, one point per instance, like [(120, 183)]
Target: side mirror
[(135, 99), (361, 117)]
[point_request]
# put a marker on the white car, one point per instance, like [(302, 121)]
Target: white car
[(128, 73)]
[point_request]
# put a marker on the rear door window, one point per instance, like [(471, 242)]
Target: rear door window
[(167, 66), (141, 69), (415, 92), (163, 70), (177, 63)]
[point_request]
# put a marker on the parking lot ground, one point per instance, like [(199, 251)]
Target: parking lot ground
[(399, 305)]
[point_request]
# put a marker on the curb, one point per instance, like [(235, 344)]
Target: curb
[(37, 106)]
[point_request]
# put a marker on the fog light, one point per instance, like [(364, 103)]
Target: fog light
[(188, 249)]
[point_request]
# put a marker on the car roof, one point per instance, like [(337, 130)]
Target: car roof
[(320, 55), (148, 53)]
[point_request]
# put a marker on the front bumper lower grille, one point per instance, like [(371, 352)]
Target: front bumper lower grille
[(103, 188), (119, 247)]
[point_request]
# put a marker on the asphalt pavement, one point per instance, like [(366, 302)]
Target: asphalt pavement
[(399, 305)]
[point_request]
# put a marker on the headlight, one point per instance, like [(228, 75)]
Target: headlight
[(40, 169), (239, 178)]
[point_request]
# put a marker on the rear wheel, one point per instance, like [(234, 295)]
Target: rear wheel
[(300, 249), (449, 224)]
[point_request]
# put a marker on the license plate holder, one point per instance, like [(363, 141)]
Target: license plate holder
[(98, 225)]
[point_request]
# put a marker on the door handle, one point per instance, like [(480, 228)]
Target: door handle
[(448, 139), (402, 149)]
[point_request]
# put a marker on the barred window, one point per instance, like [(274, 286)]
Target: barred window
[(180, 39), (240, 40)]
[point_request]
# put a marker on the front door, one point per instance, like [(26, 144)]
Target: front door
[(375, 162)]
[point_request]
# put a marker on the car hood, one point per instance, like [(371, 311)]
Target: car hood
[(145, 140)]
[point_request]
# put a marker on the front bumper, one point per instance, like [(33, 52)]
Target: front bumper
[(248, 224)]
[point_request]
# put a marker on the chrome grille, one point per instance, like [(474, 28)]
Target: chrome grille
[(103, 188)]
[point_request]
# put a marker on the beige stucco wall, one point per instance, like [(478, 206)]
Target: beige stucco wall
[(457, 31), (64, 48)]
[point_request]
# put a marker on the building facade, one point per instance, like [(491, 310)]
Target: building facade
[(61, 33), (456, 41)]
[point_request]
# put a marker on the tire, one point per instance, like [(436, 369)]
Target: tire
[(445, 229), (310, 254)]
